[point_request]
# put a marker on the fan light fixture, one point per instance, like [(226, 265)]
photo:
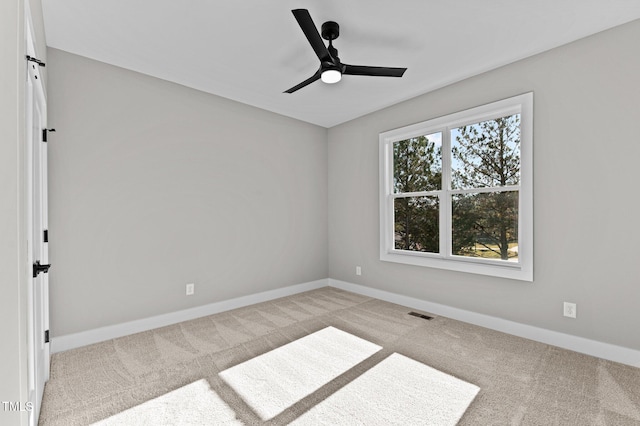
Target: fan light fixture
[(331, 76), (331, 68)]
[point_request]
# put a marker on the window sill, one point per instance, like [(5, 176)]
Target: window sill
[(515, 271)]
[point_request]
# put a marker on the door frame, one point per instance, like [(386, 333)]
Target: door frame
[(38, 350)]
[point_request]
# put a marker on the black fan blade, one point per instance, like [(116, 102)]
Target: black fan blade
[(373, 71), (309, 29), (308, 81)]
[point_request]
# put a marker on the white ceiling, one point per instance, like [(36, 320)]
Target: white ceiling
[(253, 50)]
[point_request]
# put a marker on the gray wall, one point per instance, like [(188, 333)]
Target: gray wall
[(154, 185), (12, 354), (13, 233), (586, 151)]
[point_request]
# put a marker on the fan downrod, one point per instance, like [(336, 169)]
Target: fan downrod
[(330, 30)]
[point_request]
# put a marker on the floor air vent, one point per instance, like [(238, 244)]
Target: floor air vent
[(423, 316)]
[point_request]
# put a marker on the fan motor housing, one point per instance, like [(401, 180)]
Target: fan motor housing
[(330, 30)]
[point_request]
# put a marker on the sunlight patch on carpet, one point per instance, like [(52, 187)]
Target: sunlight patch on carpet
[(193, 404), (272, 382), (396, 391)]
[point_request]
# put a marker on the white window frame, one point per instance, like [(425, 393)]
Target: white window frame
[(520, 270)]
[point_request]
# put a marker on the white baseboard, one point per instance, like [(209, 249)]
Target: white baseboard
[(578, 344), (76, 340)]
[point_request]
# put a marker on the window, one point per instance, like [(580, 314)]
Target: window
[(456, 192)]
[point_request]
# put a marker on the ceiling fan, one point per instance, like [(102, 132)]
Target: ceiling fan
[(331, 69)]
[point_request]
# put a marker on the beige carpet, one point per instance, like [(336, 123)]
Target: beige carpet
[(271, 382), (193, 404), (396, 391), (521, 382)]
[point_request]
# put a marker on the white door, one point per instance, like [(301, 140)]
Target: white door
[(36, 157)]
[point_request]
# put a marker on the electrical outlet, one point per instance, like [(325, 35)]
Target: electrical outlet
[(570, 309), (358, 270), (191, 288)]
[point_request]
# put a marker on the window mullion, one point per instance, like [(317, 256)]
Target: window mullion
[(445, 196), (487, 189), (415, 194)]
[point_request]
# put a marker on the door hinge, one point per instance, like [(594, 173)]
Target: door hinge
[(37, 61), (45, 132), (46, 336), (45, 236), (37, 268)]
